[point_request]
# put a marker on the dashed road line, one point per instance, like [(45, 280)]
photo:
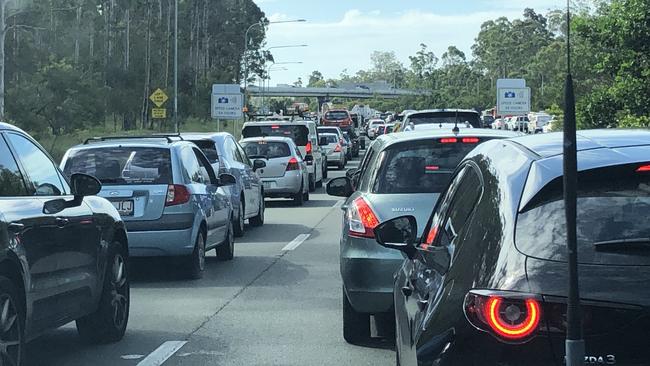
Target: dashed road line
[(162, 353), (295, 243)]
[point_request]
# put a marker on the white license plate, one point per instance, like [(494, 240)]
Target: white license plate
[(124, 208)]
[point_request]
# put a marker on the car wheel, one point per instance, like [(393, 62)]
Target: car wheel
[(239, 221), (196, 265), (108, 322), (299, 198), (356, 326), (226, 251), (341, 165), (258, 220), (312, 184), (12, 320), (305, 196)]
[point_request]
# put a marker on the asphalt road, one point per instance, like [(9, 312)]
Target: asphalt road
[(277, 303)]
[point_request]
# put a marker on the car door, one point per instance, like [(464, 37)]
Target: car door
[(217, 212), (238, 170), (73, 242), (254, 188)]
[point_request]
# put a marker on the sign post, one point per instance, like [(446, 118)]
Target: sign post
[(227, 101), (159, 98), (513, 101)]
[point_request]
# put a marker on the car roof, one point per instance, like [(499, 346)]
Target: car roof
[(444, 110), (9, 127), (267, 138), (399, 137), (205, 135), (279, 123), (552, 144), (161, 142)]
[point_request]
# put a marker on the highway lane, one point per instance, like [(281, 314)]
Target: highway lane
[(277, 303)]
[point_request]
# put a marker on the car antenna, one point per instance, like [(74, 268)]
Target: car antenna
[(456, 130), (574, 343)]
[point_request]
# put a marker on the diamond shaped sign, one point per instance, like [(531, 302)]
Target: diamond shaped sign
[(159, 97)]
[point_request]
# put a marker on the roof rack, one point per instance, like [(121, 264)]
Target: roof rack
[(167, 137)]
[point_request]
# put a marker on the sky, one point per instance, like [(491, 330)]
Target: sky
[(341, 35)]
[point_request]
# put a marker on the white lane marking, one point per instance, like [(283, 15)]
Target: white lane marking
[(201, 353), (131, 357), (162, 353), (295, 243), (338, 204)]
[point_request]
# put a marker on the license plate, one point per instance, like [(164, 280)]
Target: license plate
[(124, 208)]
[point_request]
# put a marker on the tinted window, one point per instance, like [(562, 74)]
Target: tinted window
[(445, 117), (11, 181), (365, 171), (419, 167), (207, 174), (467, 194), (242, 155), (613, 205), (331, 139), (336, 115), (269, 150), (38, 166), (209, 149), (122, 165), (298, 133)]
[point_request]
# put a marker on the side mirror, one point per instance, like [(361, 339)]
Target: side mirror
[(399, 233), (322, 141), (340, 187), (83, 185), (258, 164), (351, 172), (227, 180)]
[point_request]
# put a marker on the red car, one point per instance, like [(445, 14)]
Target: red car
[(338, 117)]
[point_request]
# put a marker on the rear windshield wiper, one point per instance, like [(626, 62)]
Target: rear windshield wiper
[(623, 244)]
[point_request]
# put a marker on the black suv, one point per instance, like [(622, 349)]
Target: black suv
[(63, 251), (487, 283)]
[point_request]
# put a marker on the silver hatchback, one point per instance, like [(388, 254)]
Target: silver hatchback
[(286, 174)]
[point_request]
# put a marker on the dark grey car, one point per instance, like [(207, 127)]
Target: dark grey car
[(63, 251), (402, 173)]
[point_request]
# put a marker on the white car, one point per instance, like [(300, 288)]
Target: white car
[(517, 123), (550, 126), (498, 124), (538, 121), (372, 127)]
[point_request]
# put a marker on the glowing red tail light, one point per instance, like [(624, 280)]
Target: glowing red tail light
[(643, 169), (510, 317), (361, 219), (177, 194), (451, 140), (337, 148), (470, 140), (308, 148), (293, 164), (431, 168)]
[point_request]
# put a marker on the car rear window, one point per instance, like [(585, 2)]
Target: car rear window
[(336, 115), (420, 166), (122, 165), (298, 133), (328, 130), (332, 139), (613, 204), (445, 117), (269, 150)]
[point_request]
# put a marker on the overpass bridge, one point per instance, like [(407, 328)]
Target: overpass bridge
[(326, 93)]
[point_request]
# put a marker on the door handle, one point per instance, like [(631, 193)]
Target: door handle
[(15, 227), (62, 221), (407, 291)]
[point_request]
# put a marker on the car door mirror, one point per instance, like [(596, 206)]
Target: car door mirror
[(258, 164), (322, 141), (340, 187), (83, 185), (227, 180), (399, 233)]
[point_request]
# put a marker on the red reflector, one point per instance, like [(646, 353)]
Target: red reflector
[(512, 328), (337, 148), (293, 164), (431, 168), (308, 148), (470, 140), (275, 127), (645, 168), (452, 140)]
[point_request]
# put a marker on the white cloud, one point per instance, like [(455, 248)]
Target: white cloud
[(348, 42)]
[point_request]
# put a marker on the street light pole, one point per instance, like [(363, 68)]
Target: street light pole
[(176, 66), (278, 63)]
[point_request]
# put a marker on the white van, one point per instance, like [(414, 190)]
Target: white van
[(304, 135)]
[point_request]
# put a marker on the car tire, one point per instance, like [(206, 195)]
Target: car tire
[(356, 326), (305, 196), (196, 262), (299, 198), (325, 171), (341, 165), (239, 220), (258, 220), (312, 183), (226, 251), (14, 322), (108, 323)]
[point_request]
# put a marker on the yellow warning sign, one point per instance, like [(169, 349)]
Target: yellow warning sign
[(159, 98), (158, 113)]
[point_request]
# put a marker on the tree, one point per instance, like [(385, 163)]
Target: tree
[(314, 78)]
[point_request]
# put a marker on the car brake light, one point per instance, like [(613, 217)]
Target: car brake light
[(361, 219), (510, 317), (308, 148), (337, 148), (275, 127), (431, 236), (470, 140), (293, 164), (451, 140), (177, 194), (431, 168), (645, 168)]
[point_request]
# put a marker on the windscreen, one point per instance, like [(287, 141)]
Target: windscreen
[(419, 167), (336, 115), (269, 150), (332, 139), (445, 117), (298, 133), (613, 206), (328, 130), (122, 165)]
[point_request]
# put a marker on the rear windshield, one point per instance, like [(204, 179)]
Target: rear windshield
[(328, 130), (336, 115), (298, 133), (269, 150), (419, 167), (613, 206), (209, 149), (445, 117), (122, 165), (332, 139)]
